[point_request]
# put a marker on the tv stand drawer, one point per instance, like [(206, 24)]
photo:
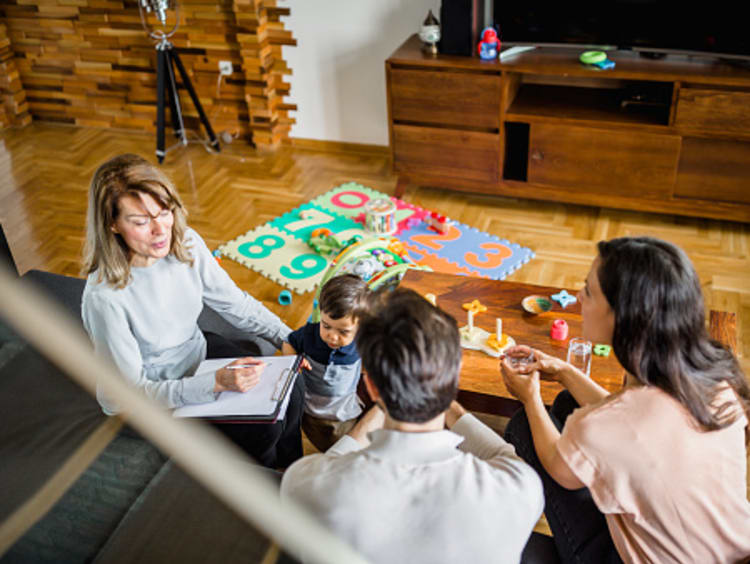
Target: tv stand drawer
[(724, 111), (623, 163)]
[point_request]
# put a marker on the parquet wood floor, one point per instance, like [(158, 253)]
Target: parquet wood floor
[(45, 170)]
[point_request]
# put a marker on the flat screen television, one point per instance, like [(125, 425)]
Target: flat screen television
[(650, 26)]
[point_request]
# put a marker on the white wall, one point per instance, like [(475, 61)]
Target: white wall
[(338, 80)]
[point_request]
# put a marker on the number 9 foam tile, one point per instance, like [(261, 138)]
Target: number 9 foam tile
[(278, 256), (348, 199)]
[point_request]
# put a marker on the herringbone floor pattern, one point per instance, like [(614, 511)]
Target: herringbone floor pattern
[(45, 171)]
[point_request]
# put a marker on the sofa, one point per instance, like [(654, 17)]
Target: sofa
[(81, 487)]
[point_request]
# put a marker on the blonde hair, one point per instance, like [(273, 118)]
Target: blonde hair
[(105, 251)]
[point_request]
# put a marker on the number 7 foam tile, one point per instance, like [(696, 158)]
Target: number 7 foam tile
[(302, 221), (348, 199), (278, 256)]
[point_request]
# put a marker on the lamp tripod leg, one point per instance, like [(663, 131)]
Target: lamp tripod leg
[(175, 108), (196, 102), (161, 60)]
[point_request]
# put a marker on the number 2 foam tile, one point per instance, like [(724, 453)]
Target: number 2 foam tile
[(488, 255), (278, 256), (302, 221), (438, 264), (348, 199)]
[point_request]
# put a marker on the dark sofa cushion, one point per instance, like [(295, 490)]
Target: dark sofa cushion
[(177, 520)]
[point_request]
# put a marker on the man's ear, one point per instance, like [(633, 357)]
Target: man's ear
[(372, 391)]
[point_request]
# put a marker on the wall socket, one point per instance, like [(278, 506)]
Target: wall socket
[(225, 68)]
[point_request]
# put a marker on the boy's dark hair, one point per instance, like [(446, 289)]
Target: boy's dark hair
[(411, 351), (344, 295)]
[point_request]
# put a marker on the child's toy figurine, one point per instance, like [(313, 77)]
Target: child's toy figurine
[(489, 46), (331, 403)]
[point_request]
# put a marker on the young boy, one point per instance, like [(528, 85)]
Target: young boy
[(331, 403)]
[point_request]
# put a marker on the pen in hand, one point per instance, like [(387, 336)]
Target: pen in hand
[(240, 366)]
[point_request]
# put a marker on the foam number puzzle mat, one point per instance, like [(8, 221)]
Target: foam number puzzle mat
[(280, 251)]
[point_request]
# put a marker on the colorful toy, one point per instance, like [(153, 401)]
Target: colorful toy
[(474, 307), (563, 298), (536, 304), (373, 261), (285, 297), (380, 217), (559, 330), (602, 350), (476, 338), (436, 222), (489, 45)]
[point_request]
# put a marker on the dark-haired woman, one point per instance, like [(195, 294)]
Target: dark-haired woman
[(657, 471)]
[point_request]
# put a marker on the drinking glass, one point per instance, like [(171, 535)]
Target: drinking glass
[(579, 354)]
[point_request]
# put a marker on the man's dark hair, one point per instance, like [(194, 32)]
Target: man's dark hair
[(344, 295), (411, 351)]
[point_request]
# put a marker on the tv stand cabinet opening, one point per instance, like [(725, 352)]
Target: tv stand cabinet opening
[(669, 135)]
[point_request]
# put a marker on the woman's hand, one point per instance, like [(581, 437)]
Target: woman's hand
[(522, 382), (549, 367), (239, 376)]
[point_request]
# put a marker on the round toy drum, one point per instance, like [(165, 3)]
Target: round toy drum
[(380, 217)]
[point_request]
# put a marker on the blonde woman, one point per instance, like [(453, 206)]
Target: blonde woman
[(148, 278)]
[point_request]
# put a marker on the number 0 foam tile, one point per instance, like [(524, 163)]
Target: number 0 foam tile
[(348, 199), (278, 256)]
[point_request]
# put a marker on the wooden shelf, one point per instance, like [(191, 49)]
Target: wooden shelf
[(669, 135), (603, 106)]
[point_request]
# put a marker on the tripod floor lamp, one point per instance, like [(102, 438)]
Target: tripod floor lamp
[(167, 59)]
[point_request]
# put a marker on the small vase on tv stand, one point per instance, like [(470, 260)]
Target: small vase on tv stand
[(429, 33)]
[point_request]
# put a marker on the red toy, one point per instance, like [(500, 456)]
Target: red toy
[(489, 45), (437, 222)]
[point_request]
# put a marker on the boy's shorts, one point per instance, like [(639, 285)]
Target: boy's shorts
[(323, 433)]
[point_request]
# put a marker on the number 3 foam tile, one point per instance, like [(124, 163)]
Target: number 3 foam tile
[(278, 256), (301, 222), (348, 199)]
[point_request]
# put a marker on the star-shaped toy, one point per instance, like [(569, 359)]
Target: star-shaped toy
[(563, 298), (474, 307)]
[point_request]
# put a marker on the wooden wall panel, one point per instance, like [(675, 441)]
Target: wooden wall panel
[(90, 63), (14, 109)]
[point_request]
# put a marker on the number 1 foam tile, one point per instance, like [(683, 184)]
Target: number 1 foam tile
[(315, 217), (278, 256), (348, 199), (470, 248), (438, 264)]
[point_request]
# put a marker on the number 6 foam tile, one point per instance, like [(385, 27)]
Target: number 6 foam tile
[(278, 256), (348, 199)]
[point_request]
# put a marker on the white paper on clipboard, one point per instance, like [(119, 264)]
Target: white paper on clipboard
[(260, 401)]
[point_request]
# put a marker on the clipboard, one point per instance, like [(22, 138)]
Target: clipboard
[(264, 403)]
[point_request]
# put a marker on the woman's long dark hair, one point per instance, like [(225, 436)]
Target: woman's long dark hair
[(660, 334)]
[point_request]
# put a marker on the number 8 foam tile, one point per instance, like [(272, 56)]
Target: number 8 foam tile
[(278, 256), (301, 222), (348, 199)]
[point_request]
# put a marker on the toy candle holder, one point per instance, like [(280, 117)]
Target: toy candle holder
[(380, 217)]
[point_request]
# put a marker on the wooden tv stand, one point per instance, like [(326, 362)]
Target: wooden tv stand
[(668, 136)]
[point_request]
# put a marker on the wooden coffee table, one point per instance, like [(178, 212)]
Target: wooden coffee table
[(481, 386)]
